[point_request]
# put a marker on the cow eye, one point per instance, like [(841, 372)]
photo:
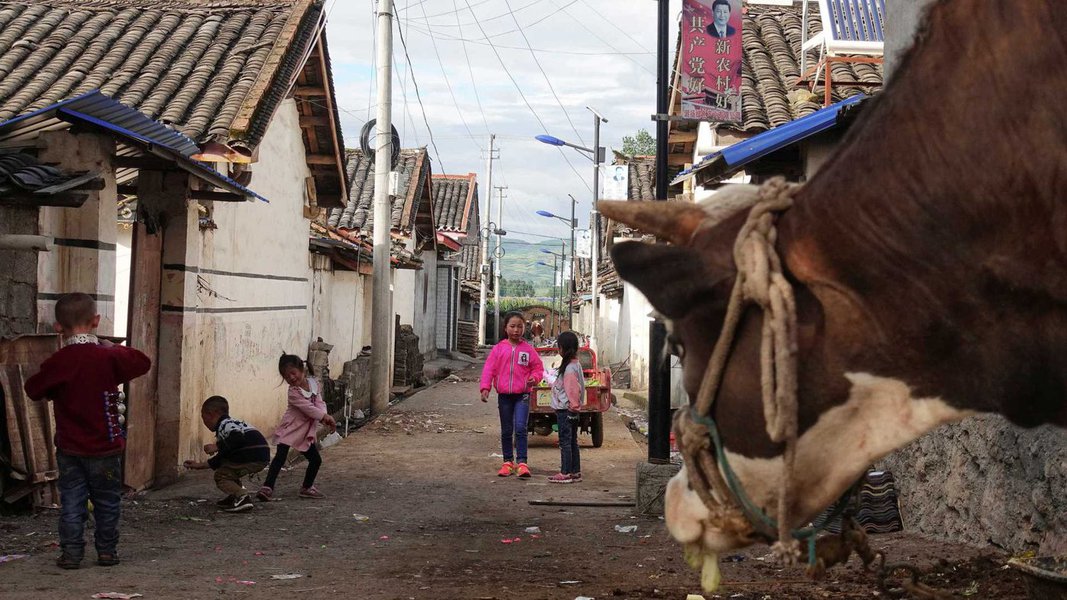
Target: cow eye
[(675, 346)]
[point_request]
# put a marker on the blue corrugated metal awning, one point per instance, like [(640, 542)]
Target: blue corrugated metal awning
[(733, 157), (134, 130)]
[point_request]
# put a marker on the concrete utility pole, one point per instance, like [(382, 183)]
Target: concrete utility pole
[(496, 261), (572, 287), (382, 307), (594, 224), (483, 298)]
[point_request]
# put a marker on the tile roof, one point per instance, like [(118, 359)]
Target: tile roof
[(769, 95), (214, 70), (413, 165), (26, 181), (454, 197), (470, 268)]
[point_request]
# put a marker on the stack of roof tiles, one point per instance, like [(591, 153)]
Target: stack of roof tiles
[(190, 64)]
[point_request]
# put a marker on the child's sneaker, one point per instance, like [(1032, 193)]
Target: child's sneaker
[(311, 492), (66, 561), (265, 494), (523, 471), (560, 478), (505, 470), (226, 502), (242, 504), (576, 477)]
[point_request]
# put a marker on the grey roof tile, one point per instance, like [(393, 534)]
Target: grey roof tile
[(454, 196), (190, 63), (358, 212)]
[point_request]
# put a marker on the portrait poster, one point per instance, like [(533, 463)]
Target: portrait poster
[(616, 182), (710, 75)]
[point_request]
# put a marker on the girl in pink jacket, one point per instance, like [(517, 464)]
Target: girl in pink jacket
[(299, 427), (513, 366)]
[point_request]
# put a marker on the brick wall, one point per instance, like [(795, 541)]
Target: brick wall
[(18, 275)]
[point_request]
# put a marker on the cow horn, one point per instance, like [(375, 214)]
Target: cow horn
[(672, 221)]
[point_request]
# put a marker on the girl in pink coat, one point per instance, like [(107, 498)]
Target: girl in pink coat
[(513, 366), (299, 427)]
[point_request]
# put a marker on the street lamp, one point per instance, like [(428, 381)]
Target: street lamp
[(555, 313), (596, 154)]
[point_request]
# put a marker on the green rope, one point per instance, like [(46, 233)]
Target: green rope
[(755, 514)]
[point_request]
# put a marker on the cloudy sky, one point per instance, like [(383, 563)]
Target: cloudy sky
[(476, 74)]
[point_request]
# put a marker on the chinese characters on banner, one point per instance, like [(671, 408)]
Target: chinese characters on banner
[(711, 60)]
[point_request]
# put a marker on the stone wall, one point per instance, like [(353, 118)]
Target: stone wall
[(18, 275), (984, 480)]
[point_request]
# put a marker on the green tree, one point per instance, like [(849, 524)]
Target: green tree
[(640, 144)]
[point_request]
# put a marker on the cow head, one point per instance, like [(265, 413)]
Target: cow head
[(850, 414)]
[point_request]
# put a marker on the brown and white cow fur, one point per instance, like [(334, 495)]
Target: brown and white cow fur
[(928, 259)]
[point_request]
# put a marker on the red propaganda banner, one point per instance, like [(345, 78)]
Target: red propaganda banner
[(711, 60)]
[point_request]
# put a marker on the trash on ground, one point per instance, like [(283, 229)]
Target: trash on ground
[(360, 518), (570, 582), (626, 528), (511, 540), (495, 455), (330, 440), (533, 530), (384, 537), (584, 598), (358, 414), (694, 597), (116, 595), (11, 557), (287, 576), (245, 582), (733, 558)]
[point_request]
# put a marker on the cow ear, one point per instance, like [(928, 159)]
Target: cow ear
[(673, 278)]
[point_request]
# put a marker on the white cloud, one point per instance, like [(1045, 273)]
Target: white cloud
[(584, 67)]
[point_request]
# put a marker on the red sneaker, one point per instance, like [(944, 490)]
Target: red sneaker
[(506, 469), (560, 478), (523, 471)]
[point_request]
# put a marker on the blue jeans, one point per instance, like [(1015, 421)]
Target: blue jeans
[(569, 460), (84, 478), (514, 412)]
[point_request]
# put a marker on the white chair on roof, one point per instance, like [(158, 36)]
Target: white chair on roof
[(849, 28)]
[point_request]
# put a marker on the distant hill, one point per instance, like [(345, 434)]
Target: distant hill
[(520, 262)]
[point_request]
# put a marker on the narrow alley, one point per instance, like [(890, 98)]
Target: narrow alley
[(414, 510)]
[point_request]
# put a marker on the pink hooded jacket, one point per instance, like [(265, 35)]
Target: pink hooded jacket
[(510, 368), (300, 422)]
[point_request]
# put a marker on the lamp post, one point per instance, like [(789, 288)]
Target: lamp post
[(573, 224), (596, 154), (562, 256), (555, 314)]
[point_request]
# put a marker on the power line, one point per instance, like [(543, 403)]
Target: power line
[(563, 9), (483, 20), (451, 93), (523, 96), (611, 22), (470, 69), (486, 37), (446, 12), (543, 74), (418, 96)]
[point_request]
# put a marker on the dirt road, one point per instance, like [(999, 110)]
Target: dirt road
[(414, 510)]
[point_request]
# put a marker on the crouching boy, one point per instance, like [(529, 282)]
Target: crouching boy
[(240, 450)]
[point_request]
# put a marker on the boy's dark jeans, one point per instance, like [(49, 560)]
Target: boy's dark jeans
[(84, 478)]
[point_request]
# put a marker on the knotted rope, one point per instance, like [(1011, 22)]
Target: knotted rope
[(760, 281)]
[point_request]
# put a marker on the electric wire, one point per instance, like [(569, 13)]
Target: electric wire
[(543, 74), (563, 9), (470, 70), (483, 20), (590, 6), (418, 96), (451, 93), (527, 102), (487, 37)]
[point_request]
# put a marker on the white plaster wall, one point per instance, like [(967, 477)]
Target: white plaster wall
[(255, 292), (338, 313), (123, 256), (638, 310), (415, 300)]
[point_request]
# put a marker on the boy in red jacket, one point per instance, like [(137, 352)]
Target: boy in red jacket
[(82, 380)]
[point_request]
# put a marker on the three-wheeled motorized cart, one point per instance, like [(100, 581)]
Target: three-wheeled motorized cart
[(596, 402)]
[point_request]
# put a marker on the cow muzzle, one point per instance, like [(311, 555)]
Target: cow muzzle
[(706, 529)]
